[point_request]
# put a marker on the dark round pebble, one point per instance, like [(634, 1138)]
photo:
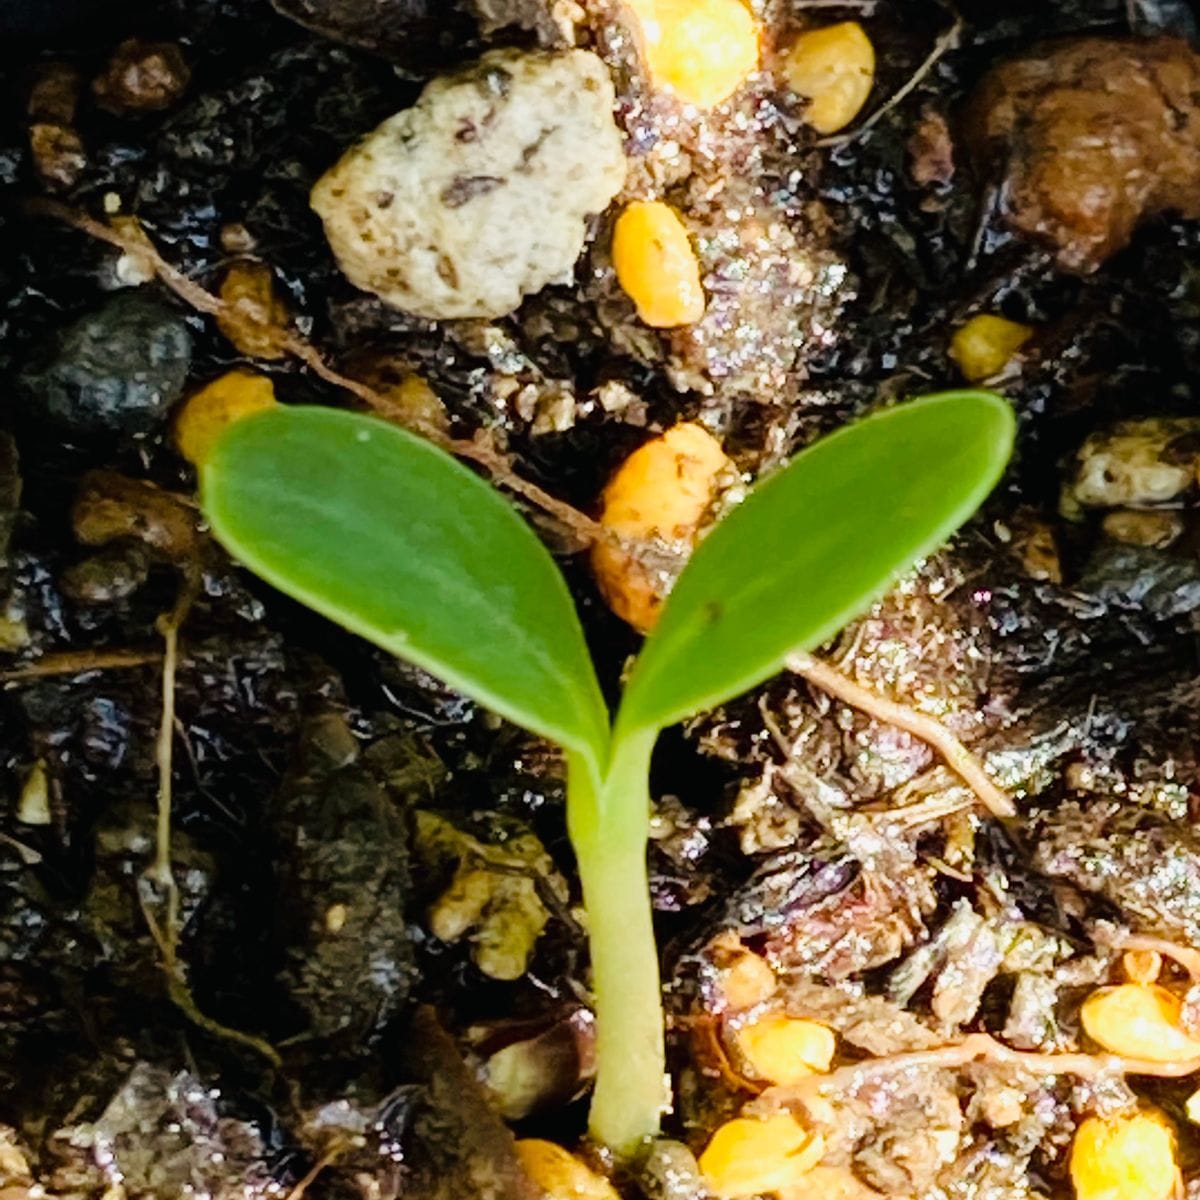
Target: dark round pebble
[(117, 370)]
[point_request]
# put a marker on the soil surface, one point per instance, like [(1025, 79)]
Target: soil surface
[(307, 998)]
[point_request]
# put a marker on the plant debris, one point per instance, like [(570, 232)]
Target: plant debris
[(947, 945)]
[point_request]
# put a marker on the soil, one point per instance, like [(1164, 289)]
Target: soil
[(309, 1027)]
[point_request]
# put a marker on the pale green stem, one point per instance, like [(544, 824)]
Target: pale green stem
[(609, 824)]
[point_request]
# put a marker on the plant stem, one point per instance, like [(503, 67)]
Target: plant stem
[(609, 822)]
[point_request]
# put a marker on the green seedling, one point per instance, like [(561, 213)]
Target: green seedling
[(395, 540)]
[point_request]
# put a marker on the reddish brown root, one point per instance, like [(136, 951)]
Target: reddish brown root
[(956, 755), (977, 1048)]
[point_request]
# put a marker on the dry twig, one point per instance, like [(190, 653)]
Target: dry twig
[(932, 808), (956, 755), (941, 47), (978, 1047), (706, 1028), (160, 875), (79, 662), (582, 529), (168, 626), (339, 1147)]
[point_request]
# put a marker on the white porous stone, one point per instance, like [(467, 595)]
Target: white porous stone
[(479, 194), (1136, 463)]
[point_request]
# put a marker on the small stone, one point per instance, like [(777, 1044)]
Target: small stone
[(237, 239), (561, 1175), (1134, 464), (142, 77), (110, 507), (58, 155), (205, 416), (255, 317), (1003, 1106), (616, 397), (54, 93), (117, 370), (833, 68), (536, 1066), (669, 1172), (1155, 528), (480, 193), (138, 263), (494, 901), (652, 511), (931, 150), (1034, 125), (113, 574), (33, 807), (1036, 550)]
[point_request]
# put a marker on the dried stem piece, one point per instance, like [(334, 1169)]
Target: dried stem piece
[(977, 1047), (932, 808), (948, 41), (957, 756), (132, 240), (163, 752), (335, 1151), (160, 875), (79, 662)]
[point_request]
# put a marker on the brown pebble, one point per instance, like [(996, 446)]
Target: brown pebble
[(237, 239), (110, 506), (58, 155), (1156, 528), (113, 574), (1088, 137), (1037, 551), (931, 150), (255, 318), (54, 93), (142, 77)]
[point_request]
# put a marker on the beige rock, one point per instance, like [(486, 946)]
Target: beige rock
[(479, 194)]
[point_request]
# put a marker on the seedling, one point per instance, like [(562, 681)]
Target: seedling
[(392, 538)]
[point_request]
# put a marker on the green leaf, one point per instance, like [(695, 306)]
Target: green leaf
[(814, 546), (392, 538)]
